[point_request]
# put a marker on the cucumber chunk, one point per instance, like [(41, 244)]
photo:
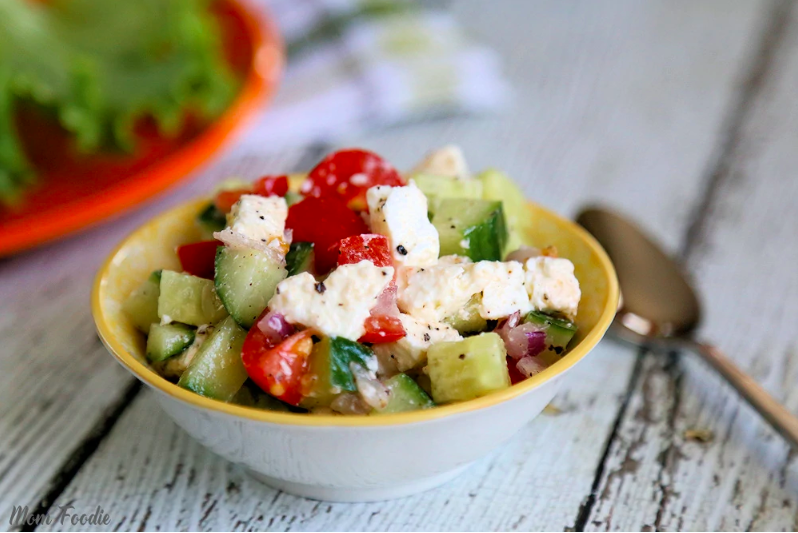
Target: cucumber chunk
[(292, 198), (497, 186), (217, 371), (474, 228), (559, 333), (245, 281), (211, 219), (329, 374), (406, 395), (299, 258), (188, 299), (165, 341), (467, 319), (467, 369), (250, 395), (141, 307), (437, 188)]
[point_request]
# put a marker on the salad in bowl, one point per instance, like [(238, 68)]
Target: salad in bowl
[(357, 290)]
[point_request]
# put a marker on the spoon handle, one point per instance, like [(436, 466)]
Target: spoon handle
[(779, 417)]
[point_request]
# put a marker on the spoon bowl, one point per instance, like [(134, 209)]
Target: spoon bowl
[(660, 310)]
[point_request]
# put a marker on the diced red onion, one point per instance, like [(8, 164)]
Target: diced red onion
[(522, 254), (526, 340), (275, 327), (373, 392), (349, 403), (386, 303), (529, 366)]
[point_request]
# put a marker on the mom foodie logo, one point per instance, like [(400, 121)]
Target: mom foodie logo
[(58, 514)]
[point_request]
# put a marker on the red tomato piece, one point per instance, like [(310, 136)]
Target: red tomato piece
[(271, 186), (515, 375), (225, 199), (382, 328), (324, 222), (198, 258), (368, 246), (349, 174), (278, 370)]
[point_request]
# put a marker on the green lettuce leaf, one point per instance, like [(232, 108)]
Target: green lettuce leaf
[(99, 65)]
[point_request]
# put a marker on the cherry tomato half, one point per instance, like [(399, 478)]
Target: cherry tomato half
[(368, 246), (278, 370), (271, 186), (265, 186), (515, 375), (349, 174), (382, 328), (225, 200), (198, 258), (324, 222)]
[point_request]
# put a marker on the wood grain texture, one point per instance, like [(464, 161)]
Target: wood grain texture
[(166, 480), (58, 385), (743, 258), (598, 117)]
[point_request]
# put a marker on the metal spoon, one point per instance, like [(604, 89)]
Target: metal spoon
[(659, 309)]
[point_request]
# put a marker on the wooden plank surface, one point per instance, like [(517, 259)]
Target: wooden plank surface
[(624, 103), (60, 391), (744, 258)]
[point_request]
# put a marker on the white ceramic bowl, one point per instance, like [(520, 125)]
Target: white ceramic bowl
[(351, 458)]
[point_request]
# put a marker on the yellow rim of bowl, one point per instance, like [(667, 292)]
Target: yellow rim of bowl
[(151, 378)]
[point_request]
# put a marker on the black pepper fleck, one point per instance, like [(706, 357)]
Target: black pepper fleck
[(401, 249), (426, 337), (461, 356), (320, 287)]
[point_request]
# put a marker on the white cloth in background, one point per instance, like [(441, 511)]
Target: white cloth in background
[(358, 65)]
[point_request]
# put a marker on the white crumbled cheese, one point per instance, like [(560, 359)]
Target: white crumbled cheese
[(257, 222), (503, 290), (436, 292), (552, 285), (446, 161), (400, 213), (336, 307), (411, 350), (440, 291)]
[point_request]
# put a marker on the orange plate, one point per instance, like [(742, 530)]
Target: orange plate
[(74, 192)]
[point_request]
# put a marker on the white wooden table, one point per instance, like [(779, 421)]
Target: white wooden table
[(681, 114)]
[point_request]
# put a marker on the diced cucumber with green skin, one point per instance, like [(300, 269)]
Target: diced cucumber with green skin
[(292, 198), (165, 341), (141, 307), (211, 219), (437, 188), (188, 299), (406, 395), (245, 282), (250, 395), (467, 319), (467, 369), (473, 228), (497, 186), (217, 371), (329, 374), (299, 258), (559, 333)]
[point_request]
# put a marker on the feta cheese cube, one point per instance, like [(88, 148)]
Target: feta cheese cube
[(503, 290), (400, 213), (552, 285), (410, 351), (446, 161), (257, 222), (337, 306), (441, 291), (436, 292)]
